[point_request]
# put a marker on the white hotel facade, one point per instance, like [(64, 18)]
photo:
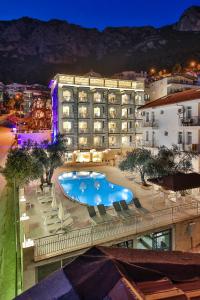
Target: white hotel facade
[(96, 113), (174, 119)]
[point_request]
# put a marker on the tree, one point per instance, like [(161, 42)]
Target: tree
[(140, 160), (20, 167), (50, 156), (173, 160)]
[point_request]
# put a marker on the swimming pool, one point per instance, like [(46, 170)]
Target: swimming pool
[(93, 188)]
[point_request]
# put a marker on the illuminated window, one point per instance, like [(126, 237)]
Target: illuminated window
[(124, 126), (83, 141), (124, 112), (97, 140), (97, 126), (82, 111), (68, 141), (112, 126), (66, 111), (111, 98), (67, 95), (125, 99), (97, 112), (97, 97), (67, 126), (113, 112), (125, 140), (82, 126), (112, 140), (82, 96)]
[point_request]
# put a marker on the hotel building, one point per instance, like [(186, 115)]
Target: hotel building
[(173, 120), (96, 113)]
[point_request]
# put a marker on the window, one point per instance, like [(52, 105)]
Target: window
[(111, 98), (124, 126), (180, 137), (162, 112), (67, 95), (112, 126), (125, 140), (162, 240), (66, 111), (112, 112), (97, 97), (124, 112), (166, 133), (147, 136), (82, 111), (97, 112), (189, 112), (97, 140), (189, 138), (82, 96), (125, 99), (67, 126), (82, 126), (97, 126), (83, 141), (152, 116), (112, 140), (68, 141), (147, 117)]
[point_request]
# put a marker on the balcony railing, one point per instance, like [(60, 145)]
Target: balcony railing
[(83, 130), (83, 116), (189, 147), (151, 144), (80, 239), (193, 121), (151, 123)]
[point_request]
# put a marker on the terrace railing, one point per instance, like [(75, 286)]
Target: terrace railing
[(84, 238)]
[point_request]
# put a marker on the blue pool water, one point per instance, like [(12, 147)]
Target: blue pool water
[(92, 188)]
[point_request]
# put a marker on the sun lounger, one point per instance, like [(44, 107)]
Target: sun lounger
[(139, 207), (117, 207), (101, 209), (91, 211)]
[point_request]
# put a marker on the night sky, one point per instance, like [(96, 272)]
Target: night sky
[(99, 13)]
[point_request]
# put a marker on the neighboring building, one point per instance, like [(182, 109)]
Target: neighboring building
[(169, 85), (112, 273), (96, 113), (174, 119)]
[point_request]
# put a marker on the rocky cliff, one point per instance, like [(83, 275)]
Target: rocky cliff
[(33, 51)]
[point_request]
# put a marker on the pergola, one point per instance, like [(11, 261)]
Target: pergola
[(178, 182)]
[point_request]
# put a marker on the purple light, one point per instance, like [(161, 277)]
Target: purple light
[(55, 111)]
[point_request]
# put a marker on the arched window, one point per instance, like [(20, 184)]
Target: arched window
[(125, 99), (67, 95), (82, 96), (97, 97), (111, 98)]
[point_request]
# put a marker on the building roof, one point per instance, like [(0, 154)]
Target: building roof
[(116, 273), (187, 95), (178, 182)]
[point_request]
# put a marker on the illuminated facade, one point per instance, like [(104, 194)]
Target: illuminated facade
[(96, 113)]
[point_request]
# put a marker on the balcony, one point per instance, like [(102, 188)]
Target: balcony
[(193, 121), (83, 130), (67, 130), (189, 147), (150, 144), (152, 123), (83, 115)]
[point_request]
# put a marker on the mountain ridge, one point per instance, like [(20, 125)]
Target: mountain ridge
[(32, 50)]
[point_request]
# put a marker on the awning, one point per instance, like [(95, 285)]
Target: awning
[(178, 182)]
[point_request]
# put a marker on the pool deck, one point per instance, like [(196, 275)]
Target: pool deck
[(39, 225)]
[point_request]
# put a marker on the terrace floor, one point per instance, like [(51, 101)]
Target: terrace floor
[(41, 224)]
